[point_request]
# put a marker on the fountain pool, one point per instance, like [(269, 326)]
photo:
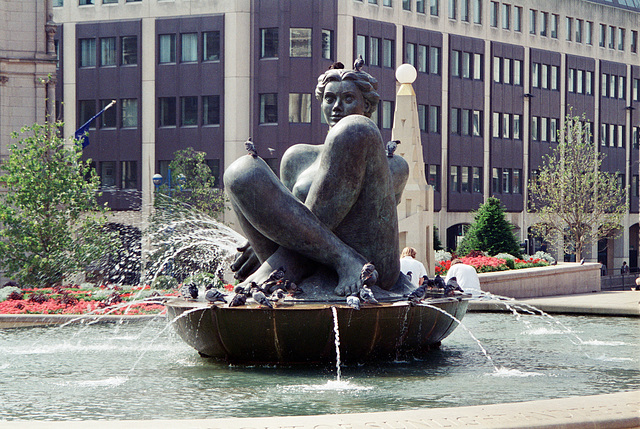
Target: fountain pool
[(145, 371)]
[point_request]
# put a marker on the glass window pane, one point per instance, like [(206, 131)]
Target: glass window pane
[(455, 63), (453, 121), (300, 108), (434, 60), (189, 47), (87, 52), (419, 5), (388, 53), (506, 126), (327, 44), (466, 65), (434, 119), (108, 51), (269, 43), (410, 54), (477, 180), (300, 42), (434, 7), (464, 179), (516, 126), (129, 50), (167, 48), (108, 117), (507, 70), (86, 110), (517, 72), (167, 113), (129, 112), (465, 121), (477, 123), (554, 26), (361, 47), (107, 174), (422, 58), (268, 108), (477, 66), (506, 16), (211, 46), (211, 110), (477, 12), (129, 175), (188, 111), (454, 179), (387, 114), (495, 132), (374, 51)]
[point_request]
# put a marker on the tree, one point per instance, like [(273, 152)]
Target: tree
[(194, 184), (50, 221), (576, 201), (490, 232)]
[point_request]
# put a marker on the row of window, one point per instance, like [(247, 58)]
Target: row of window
[(124, 114), (507, 126), (612, 135), (60, 3), (544, 129), (465, 179), (545, 76), (507, 71), (506, 181), (612, 34), (379, 52), (114, 51), (190, 113), (300, 43), (466, 65), (107, 172), (613, 86), (580, 81), (465, 122), (426, 59)]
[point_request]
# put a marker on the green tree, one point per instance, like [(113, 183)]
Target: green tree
[(490, 232), (577, 203), (194, 184), (50, 221)]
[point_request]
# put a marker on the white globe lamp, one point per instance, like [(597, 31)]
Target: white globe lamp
[(406, 73)]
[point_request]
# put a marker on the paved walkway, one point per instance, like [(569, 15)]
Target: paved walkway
[(619, 303)]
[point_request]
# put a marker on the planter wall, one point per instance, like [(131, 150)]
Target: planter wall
[(562, 279)]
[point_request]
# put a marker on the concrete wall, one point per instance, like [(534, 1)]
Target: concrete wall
[(561, 279)]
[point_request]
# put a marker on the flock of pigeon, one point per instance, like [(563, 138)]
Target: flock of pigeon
[(450, 288)]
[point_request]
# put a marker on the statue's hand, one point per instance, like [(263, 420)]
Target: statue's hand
[(246, 262)]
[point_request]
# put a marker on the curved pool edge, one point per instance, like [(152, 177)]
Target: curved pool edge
[(613, 410)]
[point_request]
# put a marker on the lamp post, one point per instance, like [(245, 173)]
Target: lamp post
[(157, 180)]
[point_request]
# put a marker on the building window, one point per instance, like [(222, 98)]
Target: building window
[(535, 75), (636, 137), (464, 179), (327, 44), (554, 26), (603, 35), (300, 42), (434, 7), (466, 65), (107, 174), (604, 85), (455, 63), (129, 50), (464, 10), (612, 86), (495, 132), (434, 177), (129, 171), (454, 121), (588, 82), (544, 131), (477, 66), (517, 181), (361, 46), (497, 76), (87, 53), (517, 121), (188, 111), (517, 72), (189, 47), (268, 108), (621, 135), (374, 51), (167, 48), (211, 46), (410, 54), (422, 59), (108, 118), (269, 43), (636, 90), (544, 23), (422, 117), (621, 87), (588, 33), (108, 51), (544, 76), (495, 180), (534, 128), (506, 16), (434, 60), (553, 130), (517, 19), (300, 108), (452, 9), (129, 117), (554, 77), (506, 70), (571, 80), (477, 180), (634, 41), (476, 123), (578, 31), (494, 14), (477, 12), (532, 21), (86, 110), (58, 3), (406, 4), (388, 53), (506, 180), (211, 110), (621, 39), (85, 2), (434, 119), (569, 22), (454, 182), (506, 129), (420, 6), (612, 37), (387, 114), (635, 189)]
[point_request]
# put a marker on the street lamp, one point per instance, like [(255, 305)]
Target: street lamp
[(157, 180)]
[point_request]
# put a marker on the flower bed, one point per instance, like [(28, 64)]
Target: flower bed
[(486, 264), (76, 300)]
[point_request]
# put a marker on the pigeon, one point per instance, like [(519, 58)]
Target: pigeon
[(409, 274), (214, 295), (277, 295), (238, 300), (366, 295), (418, 294), (209, 286), (189, 291), (554, 263), (353, 301), (336, 66), (272, 151), (246, 289), (251, 148), (368, 275), (292, 288), (261, 299), (582, 261), (392, 145), (277, 274), (452, 286), (439, 282), (358, 63)]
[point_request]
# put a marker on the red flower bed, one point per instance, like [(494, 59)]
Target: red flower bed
[(484, 264)]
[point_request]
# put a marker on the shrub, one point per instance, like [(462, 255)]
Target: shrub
[(442, 255)]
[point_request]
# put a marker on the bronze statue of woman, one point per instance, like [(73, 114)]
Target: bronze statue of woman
[(335, 208)]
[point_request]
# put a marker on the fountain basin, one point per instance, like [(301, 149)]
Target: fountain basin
[(300, 332)]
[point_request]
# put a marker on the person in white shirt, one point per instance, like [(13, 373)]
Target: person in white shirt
[(466, 276), (408, 264)]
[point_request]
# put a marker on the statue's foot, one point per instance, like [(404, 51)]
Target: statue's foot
[(350, 281)]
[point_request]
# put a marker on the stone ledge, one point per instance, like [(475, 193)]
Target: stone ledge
[(29, 320)]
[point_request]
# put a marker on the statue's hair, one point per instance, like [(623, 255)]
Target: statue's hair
[(366, 83)]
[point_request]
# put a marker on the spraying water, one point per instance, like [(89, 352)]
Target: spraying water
[(337, 341)]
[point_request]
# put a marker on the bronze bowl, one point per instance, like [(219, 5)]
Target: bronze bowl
[(303, 332)]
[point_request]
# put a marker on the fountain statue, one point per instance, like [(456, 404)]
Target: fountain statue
[(327, 230)]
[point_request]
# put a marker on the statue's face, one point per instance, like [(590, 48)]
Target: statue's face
[(342, 99)]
